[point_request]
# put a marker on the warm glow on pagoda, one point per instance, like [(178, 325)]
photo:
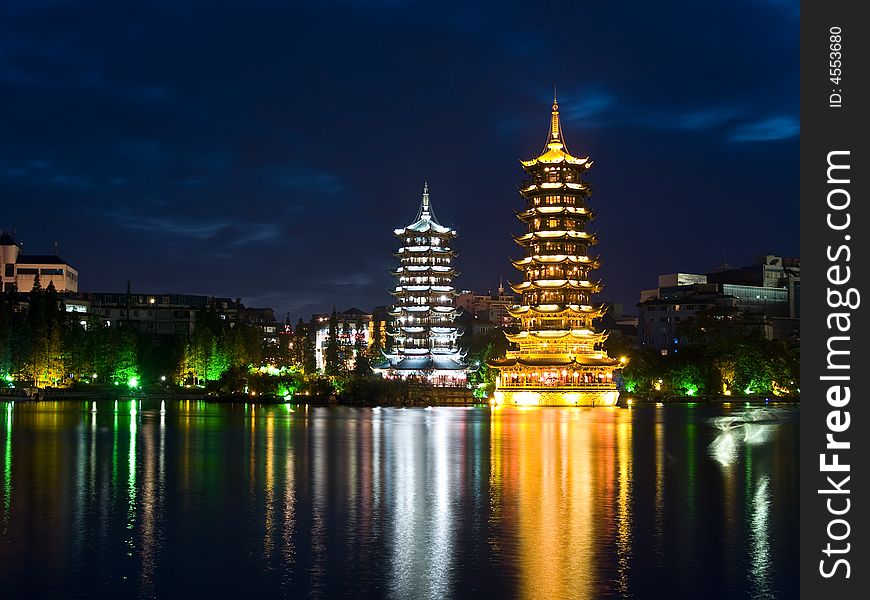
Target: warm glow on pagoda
[(560, 360)]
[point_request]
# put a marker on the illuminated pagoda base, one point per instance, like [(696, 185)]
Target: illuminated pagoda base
[(425, 334), (559, 360)]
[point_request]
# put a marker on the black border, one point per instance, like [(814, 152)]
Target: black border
[(825, 129)]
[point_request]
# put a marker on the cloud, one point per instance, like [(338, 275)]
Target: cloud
[(707, 118), (586, 104), (234, 234), (293, 179), (772, 128), (352, 280)]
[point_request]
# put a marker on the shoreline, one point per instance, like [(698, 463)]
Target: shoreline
[(422, 397)]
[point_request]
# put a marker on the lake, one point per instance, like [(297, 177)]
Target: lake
[(232, 500)]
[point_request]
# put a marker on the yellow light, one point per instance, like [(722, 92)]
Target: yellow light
[(629, 402), (527, 398), (623, 359)]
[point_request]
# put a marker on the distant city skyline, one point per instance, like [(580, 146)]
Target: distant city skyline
[(268, 152)]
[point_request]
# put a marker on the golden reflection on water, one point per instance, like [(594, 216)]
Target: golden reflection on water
[(554, 470)]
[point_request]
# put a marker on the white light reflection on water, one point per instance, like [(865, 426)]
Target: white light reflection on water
[(746, 428), (737, 435), (423, 546), (759, 573)]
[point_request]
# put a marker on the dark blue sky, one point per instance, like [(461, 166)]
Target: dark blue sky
[(267, 151)]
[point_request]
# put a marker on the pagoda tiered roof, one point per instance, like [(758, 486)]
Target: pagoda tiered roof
[(434, 362), (406, 251), (547, 335), (418, 270), (556, 210), (555, 235), (556, 259), (557, 328), (555, 284), (550, 186), (558, 309)]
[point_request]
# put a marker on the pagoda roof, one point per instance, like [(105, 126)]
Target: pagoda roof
[(555, 151), (555, 284), (557, 334), (441, 270), (556, 259), (554, 234), (553, 211), (425, 221), (549, 186), (414, 250), (437, 362), (557, 309)]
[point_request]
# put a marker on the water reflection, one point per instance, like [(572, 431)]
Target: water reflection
[(553, 486), (140, 497), (7, 468)]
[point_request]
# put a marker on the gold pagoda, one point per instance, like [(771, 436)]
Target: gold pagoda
[(559, 360)]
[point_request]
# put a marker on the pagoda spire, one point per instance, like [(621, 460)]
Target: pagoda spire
[(426, 213), (555, 141)]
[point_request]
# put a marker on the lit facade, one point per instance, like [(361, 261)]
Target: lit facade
[(20, 271), (425, 334), (559, 360), (354, 333)]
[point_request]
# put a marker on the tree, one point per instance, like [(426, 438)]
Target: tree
[(332, 359)]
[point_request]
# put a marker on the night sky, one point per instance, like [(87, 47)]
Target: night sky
[(266, 151)]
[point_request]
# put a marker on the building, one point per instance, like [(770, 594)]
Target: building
[(659, 318), (559, 360), (353, 331), (20, 271), (425, 334), (768, 271), (264, 320), (488, 308), (766, 295), (160, 314)]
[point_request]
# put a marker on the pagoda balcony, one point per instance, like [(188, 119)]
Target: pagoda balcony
[(532, 187), (570, 385), (554, 210), (547, 260)]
